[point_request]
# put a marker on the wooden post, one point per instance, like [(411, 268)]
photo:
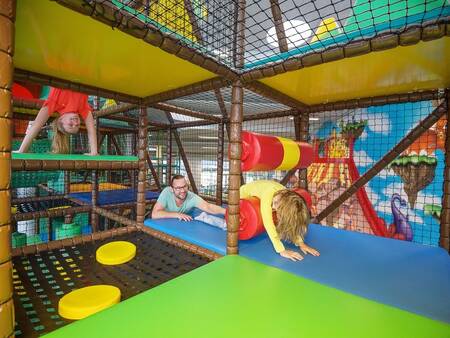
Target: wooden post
[(7, 18), (444, 240), (142, 174)]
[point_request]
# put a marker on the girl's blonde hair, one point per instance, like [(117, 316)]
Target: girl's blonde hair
[(292, 215), (60, 142)]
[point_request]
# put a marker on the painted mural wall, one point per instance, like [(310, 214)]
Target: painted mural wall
[(404, 200)]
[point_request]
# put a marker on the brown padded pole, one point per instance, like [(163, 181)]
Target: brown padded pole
[(152, 169), (279, 28), (220, 154), (7, 18), (413, 135), (445, 213), (142, 174), (303, 130), (193, 20), (184, 111), (237, 95)]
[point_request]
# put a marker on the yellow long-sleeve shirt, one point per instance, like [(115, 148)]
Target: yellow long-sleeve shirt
[(265, 190)]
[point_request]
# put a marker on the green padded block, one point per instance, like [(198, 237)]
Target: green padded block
[(18, 239), (72, 157), (37, 146), (67, 230), (34, 239), (24, 179), (237, 297)]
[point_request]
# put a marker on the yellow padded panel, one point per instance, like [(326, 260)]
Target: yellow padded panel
[(5, 134), (5, 281), (7, 319), (399, 70), (90, 52), (5, 207), (5, 103), (5, 242), (81, 187), (114, 253), (5, 168), (84, 302)]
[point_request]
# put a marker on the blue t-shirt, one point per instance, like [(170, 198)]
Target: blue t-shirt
[(167, 200)]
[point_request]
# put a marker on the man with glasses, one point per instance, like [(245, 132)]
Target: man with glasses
[(176, 201)]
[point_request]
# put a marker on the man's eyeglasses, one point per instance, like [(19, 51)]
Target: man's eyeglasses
[(184, 187)]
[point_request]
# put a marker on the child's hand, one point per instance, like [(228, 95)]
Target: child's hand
[(292, 255), (91, 154), (306, 249)]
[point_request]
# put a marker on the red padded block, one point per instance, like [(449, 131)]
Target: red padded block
[(306, 155), (250, 221)]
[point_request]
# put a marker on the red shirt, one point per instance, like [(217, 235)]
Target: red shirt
[(65, 101)]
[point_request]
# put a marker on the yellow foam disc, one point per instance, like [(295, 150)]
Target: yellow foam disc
[(113, 253), (84, 302)]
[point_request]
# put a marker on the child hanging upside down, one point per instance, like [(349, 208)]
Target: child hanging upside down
[(291, 212), (70, 106)]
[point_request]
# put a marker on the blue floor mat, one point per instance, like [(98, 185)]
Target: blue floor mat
[(194, 232), (406, 275), (113, 196)]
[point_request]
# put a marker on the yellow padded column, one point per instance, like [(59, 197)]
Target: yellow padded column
[(7, 17)]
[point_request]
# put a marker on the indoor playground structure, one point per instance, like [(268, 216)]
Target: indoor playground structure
[(346, 102)]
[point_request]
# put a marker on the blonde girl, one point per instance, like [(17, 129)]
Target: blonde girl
[(291, 212), (70, 106)]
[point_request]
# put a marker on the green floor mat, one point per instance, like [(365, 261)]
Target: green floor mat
[(237, 297)]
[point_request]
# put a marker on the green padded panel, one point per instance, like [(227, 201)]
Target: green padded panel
[(237, 297), (71, 157)]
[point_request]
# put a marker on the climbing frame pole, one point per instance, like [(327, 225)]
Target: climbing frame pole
[(445, 213), (169, 155), (95, 219), (302, 122), (220, 152), (236, 116), (142, 175), (220, 145), (234, 182), (301, 125), (7, 18)]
